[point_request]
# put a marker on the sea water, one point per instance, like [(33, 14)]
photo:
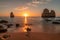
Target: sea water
[(37, 24)]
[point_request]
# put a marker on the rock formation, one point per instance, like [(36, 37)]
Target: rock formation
[(47, 14)]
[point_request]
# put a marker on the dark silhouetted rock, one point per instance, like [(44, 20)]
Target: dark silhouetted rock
[(45, 13), (17, 25), (11, 15), (48, 16), (52, 14), (3, 21), (1, 38), (28, 29), (6, 36), (56, 22), (2, 30), (9, 25)]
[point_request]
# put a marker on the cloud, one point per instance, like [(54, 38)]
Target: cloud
[(21, 8), (38, 2), (33, 3)]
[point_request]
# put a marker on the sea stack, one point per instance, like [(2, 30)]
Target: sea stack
[(11, 15), (11, 18), (48, 15)]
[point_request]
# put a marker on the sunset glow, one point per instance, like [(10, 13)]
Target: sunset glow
[(26, 14)]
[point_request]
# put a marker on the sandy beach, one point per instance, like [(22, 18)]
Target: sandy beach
[(34, 36)]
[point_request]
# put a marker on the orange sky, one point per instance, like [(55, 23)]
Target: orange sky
[(35, 7), (22, 14), (29, 14)]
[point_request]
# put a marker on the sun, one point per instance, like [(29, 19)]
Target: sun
[(26, 14)]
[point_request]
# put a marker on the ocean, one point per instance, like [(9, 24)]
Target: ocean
[(37, 24)]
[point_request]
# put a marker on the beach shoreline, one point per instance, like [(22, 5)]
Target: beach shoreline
[(34, 36)]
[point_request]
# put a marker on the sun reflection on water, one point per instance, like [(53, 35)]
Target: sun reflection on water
[(25, 26)]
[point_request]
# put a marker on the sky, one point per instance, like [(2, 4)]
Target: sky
[(31, 7)]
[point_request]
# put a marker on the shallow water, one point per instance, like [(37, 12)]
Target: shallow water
[(37, 25)]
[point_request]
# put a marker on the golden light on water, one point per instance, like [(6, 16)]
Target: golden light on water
[(25, 22), (25, 15), (24, 28)]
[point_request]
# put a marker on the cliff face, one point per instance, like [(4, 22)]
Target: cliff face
[(47, 14)]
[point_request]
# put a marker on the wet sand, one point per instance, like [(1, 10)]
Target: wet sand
[(34, 36)]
